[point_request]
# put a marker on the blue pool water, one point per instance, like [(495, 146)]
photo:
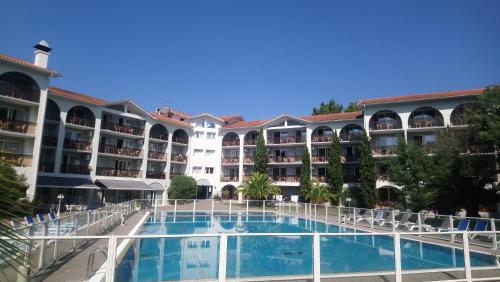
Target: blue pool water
[(197, 258)]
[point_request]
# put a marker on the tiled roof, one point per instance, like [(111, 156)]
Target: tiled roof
[(427, 96), (244, 124), (179, 113), (334, 117), (230, 117), (168, 120), (76, 96), (27, 64)]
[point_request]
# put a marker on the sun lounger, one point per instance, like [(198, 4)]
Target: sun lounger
[(463, 225), (481, 225), (29, 220)]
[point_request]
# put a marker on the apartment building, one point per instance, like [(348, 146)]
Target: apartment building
[(94, 151)]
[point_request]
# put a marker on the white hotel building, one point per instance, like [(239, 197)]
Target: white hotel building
[(93, 150)]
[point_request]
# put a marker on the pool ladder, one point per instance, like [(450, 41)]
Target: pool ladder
[(90, 260)]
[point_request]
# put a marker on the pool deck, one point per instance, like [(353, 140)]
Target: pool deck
[(75, 268)]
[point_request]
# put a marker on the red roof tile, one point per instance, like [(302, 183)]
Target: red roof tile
[(334, 116), (27, 64), (244, 124), (168, 120), (426, 96), (76, 96), (230, 117)]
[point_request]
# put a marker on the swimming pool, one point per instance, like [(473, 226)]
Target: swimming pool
[(196, 258)]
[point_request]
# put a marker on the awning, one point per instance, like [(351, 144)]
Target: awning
[(65, 182), (157, 186), (203, 182), (124, 185)]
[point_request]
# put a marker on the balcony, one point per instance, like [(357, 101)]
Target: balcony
[(174, 174), (19, 93), (322, 138), (428, 148), (130, 130), (286, 140), (155, 174), (16, 159), (75, 169), (285, 159), (181, 158), (18, 126), (179, 140), (424, 123), (425, 117), (319, 178), (77, 145), (231, 160), (123, 151), (351, 178), (350, 137), (289, 179), (250, 142), (230, 143), (49, 141), (157, 155), (249, 160), (81, 121), (319, 159), (46, 167), (383, 150), (351, 158), (229, 179), (104, 171)]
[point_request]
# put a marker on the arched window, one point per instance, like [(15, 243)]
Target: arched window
[(180, 136), (425, 117), (231, 139), (351, 132), (158, 131), (251, 138), (19, 85), (322, 134), (384, 120), (459, 115), (80, 115)]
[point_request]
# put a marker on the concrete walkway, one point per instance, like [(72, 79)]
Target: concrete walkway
[(75, 268)]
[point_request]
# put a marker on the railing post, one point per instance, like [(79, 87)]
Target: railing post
[(316, 258), (247, 208), (468, 275), (326, 212), (43, 246), (222, 257), (175, 207), (296, 207), (419, 222), (315, 214), (194, 207), (494, 235), (264, 206), (230, 206), (354, 217), (88, 223), (452, 236), (110, 264), (75, 226), (338, 214), (56, 243), (305, 210), (393, 215), (397, 257), (371, 219), (213, 203)]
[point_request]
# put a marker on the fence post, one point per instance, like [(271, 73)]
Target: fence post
[(264, 206), (56, 243), (110, 264), (230, 206), (371, 218), (88, 223), (194, 207), (316, 258), (393, 215), (222, 257), (468, 275), (493, 229), (419, 222), (75, 226), (43, 246), (452, 236), (305, 210), (247, 208), (354, 217), (338, 214), (315, 214), (213, 203), (175, 207), (326, 211), (397, 257)]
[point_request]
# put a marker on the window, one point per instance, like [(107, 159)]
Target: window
[(200, 123), (196, 169), (210, 135), (10, 147), (209, 153), (199, 134), (198, 152), (210, 124), (209, 170)]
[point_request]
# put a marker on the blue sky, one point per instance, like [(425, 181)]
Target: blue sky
[(258, 58)]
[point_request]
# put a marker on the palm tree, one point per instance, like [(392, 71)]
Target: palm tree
[(319, 194), (258, 187)]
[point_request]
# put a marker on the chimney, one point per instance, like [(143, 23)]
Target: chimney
[(42, 51)]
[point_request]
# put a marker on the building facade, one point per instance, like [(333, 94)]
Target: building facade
[(94, 151)]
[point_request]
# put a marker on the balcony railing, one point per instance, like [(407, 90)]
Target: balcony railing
[(155, 174), (345, 137), (157, 155), (322, 138), (250, 142), (159, 136), (75, 169), (383, 150), (80, 121), (123, 129), (228, 143), (319, 178), (179, 158), (351, 158), (290, 178), (285, 159), (46, 167), (179, 140), (18, 93), (286, 140), (49, 141), (351, 178), (16, 159), (174, 174), (423, 123), (319, 159), (229, 178), (385, 125), (249, 160), (104, 171), (231, 160), (428, 148), (18, 126), (78, 145), (123, 151)]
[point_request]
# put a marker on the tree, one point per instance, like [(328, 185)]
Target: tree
[(261, 159), (182, 187), (334, 169), (352, 107), (368, 179), (12, 205), (331, 107), (318, 194), (258, 187), (305, 172), (409, 169)]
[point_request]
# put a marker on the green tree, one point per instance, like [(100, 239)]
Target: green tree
[(182, 187), (12, 205), (334, 169), (305, 172), (368, 179), (261, 159), (258, 187), (352, 107), (318, 194), (330, 107)]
